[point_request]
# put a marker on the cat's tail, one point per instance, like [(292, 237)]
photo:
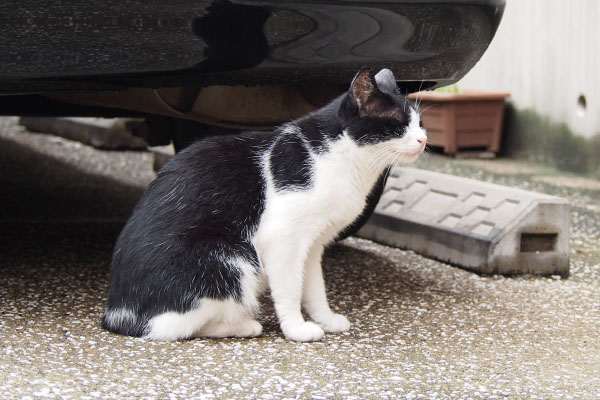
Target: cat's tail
[(124, 321)]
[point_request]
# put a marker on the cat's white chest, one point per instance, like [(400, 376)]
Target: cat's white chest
[(341, 181)]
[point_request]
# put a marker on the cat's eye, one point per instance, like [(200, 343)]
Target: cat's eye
[(421, 124)]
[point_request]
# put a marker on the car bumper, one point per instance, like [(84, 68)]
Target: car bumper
[(80, 46)]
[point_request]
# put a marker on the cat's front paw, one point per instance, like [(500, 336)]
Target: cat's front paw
[(306, 332), (335, 323)]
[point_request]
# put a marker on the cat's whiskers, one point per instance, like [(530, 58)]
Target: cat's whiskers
[(418, 101), (377, 162), (396, 157), (362, 137), (428, 107), (427, 153), (392, 155), (375, 157), (389, 160), (388, 171)]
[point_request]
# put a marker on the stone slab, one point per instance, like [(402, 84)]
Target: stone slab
[(483, 227), (102, 133), (161, 155)]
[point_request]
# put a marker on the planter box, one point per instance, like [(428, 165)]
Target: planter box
[(460, 121)]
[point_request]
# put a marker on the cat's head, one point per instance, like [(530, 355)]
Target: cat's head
[(379, 116)]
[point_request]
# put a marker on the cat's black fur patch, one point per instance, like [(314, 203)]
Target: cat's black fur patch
[(372, 199), (290, 162), (322, 126), (386, 128)]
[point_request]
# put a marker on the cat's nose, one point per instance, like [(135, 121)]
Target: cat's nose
[(420, 141)]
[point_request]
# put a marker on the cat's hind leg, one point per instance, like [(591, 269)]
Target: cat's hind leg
[(210, 318), (231, 316), (172, 325), (244, 328), (314, 297), (231, 319)]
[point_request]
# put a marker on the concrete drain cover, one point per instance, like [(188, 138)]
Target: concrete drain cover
[(479, 226)]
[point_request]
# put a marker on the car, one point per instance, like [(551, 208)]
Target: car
[(192, 68)]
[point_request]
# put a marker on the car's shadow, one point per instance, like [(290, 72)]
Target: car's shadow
[(50, 207)]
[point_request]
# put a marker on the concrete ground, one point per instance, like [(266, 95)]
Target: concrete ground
[(421, 329)]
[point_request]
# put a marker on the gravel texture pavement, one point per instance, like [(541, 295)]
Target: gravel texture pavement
[(421, 329)]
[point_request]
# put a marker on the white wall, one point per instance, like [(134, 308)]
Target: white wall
[(547, 54)]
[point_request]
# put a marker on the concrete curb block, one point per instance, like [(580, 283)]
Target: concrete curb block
[(483, 227), (102, 133), (161, 156)]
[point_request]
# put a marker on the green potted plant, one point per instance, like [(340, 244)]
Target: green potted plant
[(462, 120)]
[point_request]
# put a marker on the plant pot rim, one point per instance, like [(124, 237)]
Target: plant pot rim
[(470, 95)]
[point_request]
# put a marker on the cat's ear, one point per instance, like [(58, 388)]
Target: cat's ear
[(363, 88), (386, 81)]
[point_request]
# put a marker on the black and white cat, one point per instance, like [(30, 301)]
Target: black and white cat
[(230, 216)]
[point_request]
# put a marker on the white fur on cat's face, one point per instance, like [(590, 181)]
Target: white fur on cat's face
[(408, 148), (402, 147)]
